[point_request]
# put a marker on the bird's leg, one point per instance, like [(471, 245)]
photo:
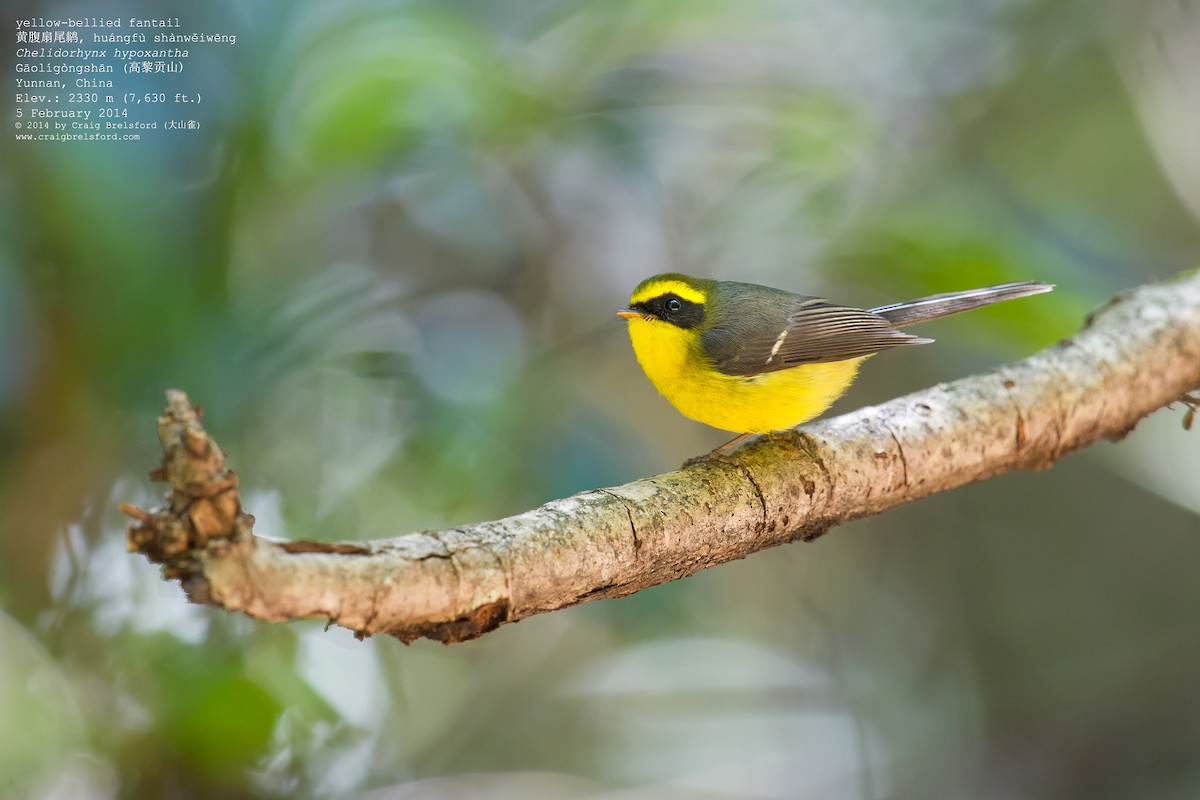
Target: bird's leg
[(718, 453), (732, 444)]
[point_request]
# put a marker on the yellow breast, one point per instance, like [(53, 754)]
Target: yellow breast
[(772, 401)]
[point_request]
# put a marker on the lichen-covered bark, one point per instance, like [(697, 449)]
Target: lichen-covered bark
[(1140, 352)]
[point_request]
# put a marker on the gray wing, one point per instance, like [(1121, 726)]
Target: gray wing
[(804, 330)]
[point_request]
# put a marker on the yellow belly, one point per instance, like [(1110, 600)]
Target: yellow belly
[(772, 401)]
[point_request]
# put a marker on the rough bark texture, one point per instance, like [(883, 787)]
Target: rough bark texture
[(1138, 353)]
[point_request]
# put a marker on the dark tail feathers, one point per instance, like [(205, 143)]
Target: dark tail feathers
[(943, 305)]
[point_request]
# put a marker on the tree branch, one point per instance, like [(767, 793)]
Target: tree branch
[(1138, 353)]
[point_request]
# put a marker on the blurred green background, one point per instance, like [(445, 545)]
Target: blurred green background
[(387, 266)]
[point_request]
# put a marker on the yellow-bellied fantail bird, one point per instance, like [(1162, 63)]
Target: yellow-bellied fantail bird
[(752, 359)]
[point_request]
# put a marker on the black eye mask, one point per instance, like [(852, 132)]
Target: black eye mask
[(673, 309)]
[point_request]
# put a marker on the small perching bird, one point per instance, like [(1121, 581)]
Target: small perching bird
[(751, 359)]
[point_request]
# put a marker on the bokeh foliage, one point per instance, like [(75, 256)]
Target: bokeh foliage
[(387, 266)]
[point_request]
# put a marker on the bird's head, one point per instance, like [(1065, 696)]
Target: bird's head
[(671, 298)]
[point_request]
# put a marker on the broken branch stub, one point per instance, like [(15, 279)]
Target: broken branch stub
[(203, 504)]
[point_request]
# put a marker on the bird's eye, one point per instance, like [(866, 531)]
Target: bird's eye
[(673, 304)]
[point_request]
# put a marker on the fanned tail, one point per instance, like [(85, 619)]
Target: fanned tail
[(943, 305)]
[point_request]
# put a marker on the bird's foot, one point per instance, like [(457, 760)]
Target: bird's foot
[(1192, 401)]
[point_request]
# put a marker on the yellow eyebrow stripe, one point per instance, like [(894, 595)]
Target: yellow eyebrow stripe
[(669, 286)]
